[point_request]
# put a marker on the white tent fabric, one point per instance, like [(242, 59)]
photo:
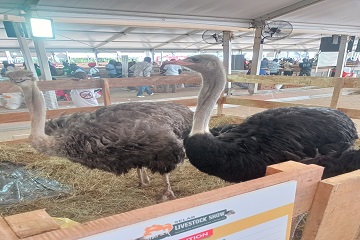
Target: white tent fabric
[(145, 25)]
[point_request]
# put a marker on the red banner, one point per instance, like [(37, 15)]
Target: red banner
[(199, 236)]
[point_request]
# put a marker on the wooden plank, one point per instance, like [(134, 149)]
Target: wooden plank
[(50, 114), (260, 103), (295, 80), (6, 232), (154, 80), (31, 223), (106, 92), (305, 176), (68, 84), (339, 84), (352, 113), (305, 190), (335, 213)]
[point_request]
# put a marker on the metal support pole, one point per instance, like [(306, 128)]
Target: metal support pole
[(125, 66), (257, 54), (153, 55), (19, 31), (339, 69), (8, 56), (50, 97), (96, 57), (227, 57), (68, 57)]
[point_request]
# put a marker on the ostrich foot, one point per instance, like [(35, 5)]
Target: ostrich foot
[(144, 178), (168, 193)]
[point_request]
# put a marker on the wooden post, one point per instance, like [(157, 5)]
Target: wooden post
[(339, 69), (335, 212), (31, 223), (257, 54), (227, 65), (106, 92), (6, 232)]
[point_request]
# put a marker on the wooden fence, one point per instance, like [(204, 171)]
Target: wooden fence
[(107, 84), (332, 206)]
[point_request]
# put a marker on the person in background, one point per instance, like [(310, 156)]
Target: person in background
[(305, 68), (83, 97), (111, 69), (52, 69), (248, 67), (66, 68), (75, 68), (264, 66), (4, 69), (274, 67), (37, 69), (288, 68), (93, 71), (171, 70), (118, 67), (142, 69)]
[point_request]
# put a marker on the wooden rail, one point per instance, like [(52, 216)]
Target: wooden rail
[(107, 83)]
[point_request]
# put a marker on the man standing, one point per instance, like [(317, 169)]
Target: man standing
[(142, 69), (305, 67), (171, 70), (111, 69)]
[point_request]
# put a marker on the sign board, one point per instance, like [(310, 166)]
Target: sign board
[(262, 214), (327, 59)]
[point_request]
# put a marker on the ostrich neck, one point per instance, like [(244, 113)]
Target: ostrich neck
[(213, 85), (36, 104)]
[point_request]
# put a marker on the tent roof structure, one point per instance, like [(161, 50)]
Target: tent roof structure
[(143, 25)]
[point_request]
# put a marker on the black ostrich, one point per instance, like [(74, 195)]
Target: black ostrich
[(116, 138), (241, 152)]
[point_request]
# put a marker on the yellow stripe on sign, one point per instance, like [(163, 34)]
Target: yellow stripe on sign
[(252, 221)]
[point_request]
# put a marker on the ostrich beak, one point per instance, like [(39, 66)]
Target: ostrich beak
[(185, 62)]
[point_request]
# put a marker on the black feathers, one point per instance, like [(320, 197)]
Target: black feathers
[(241, 152)]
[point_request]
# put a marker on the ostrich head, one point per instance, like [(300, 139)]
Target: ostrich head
[(21, 78), (201, 63)]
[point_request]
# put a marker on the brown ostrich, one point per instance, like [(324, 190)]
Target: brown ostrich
[(241, 152), (115, 138)]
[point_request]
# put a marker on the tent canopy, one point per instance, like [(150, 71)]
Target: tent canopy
[(143, 25)]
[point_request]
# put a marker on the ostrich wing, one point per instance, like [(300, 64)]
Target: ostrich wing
[(124, 136)]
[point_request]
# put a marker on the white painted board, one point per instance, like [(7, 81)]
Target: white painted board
[(262, 214)]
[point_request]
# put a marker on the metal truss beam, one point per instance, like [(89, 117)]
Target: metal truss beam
[(288, 9), (116, 36), (177, 38)]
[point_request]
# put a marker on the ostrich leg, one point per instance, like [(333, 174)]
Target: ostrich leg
[(168, 193), (144, 178)]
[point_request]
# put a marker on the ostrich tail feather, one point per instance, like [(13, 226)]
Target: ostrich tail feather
[(348, 161)]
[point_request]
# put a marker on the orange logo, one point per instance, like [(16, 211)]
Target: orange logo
[(157, 230)]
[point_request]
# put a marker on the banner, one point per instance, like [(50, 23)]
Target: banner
[(255, 215)]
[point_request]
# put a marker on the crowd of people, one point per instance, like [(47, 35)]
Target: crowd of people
[(285, 66), (113, 69)]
